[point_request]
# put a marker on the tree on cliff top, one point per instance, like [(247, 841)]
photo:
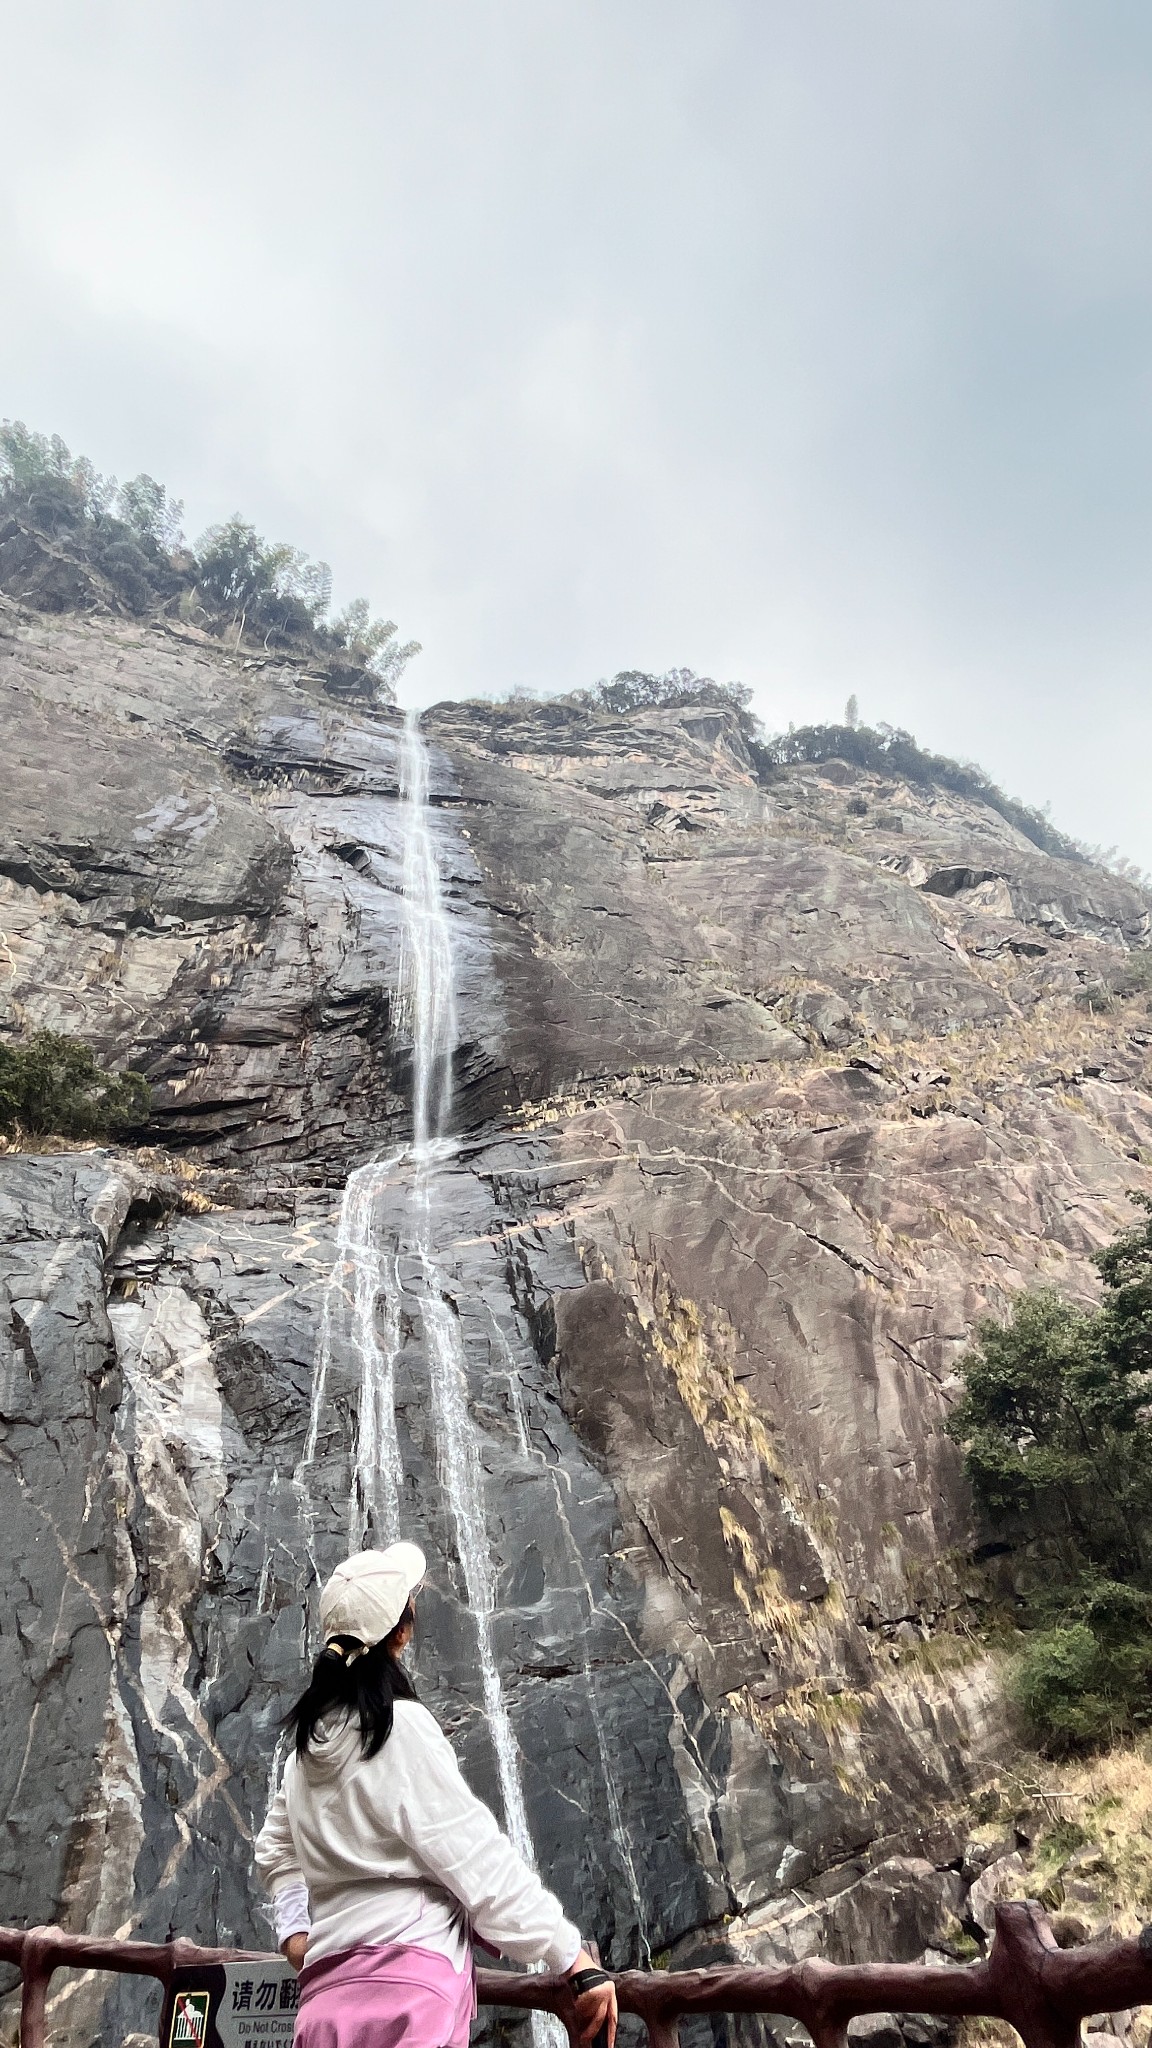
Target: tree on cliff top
[(1056, 1424), (233, 582), (630, 689), (373, 642), (266, 584), (275, 591), (126, 532), (889, 750)]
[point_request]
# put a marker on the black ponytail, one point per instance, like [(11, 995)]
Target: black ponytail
[(362, 1682)]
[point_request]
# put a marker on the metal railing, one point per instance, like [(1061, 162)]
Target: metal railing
[(1041, 1990)]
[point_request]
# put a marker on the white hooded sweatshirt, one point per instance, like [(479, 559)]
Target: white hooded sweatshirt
[(396, 1848)]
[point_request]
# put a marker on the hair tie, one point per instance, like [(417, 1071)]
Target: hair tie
[(339, 1649)]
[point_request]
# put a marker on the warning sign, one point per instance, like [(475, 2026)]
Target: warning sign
[(258, 2008), (189, 2027), (232, 2005)]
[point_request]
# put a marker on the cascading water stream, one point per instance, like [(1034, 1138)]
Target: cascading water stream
[(427, 983), (369, 1287), (363, 1297), (428, 999)]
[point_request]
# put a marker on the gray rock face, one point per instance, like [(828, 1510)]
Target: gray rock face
[(658, 908), (64, 1592), (762, 1100)]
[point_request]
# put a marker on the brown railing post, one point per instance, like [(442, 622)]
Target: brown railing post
[(37, 1952), (646, 1996), (665, 2032), (1019, 1981), (825, 2020)]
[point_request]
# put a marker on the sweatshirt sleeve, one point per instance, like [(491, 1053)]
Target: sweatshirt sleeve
[(280, 1873), (456, 1838)]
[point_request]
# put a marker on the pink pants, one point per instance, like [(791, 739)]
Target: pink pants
[(385, 1995)]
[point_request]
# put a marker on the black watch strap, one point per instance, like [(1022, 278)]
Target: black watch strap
[(587, 1980)]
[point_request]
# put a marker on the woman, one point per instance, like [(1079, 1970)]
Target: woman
[(380, 1862)]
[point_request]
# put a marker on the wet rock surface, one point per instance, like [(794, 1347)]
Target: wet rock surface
[(762, 1100), (199, 875)]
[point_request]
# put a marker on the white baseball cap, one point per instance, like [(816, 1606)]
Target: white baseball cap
[(368, 1593)]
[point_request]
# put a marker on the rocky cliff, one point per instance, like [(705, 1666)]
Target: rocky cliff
[(765, 1091)]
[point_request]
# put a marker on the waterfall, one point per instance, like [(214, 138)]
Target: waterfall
[(363, 1295), (427, 985), (463, 1484), (375, 1294), (428, 999)]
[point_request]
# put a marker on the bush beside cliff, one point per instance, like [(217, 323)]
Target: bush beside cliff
[(1056, 1424), (52, 1086)]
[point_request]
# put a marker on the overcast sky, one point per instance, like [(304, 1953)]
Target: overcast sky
[(804, 342)]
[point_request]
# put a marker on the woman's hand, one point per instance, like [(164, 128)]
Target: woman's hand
[(294, 1948), (596, 2009)]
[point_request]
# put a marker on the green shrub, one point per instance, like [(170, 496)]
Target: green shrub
[(1085, 1682), (1054, 1685), (50, 1084), (1056, 1424)]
